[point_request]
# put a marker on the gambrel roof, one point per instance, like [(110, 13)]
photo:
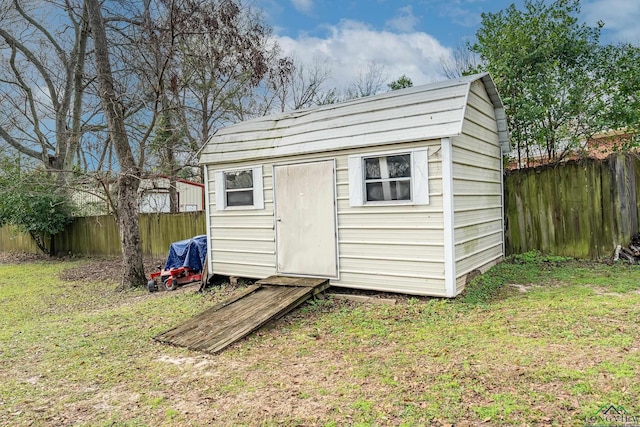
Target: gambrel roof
[(417, 113)]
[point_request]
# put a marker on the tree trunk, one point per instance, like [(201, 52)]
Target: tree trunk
[(129, 174), (128, 226), (173, 182), (174, 203), (40, 243)]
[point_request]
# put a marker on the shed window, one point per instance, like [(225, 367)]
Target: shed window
[(389, 178), (239, 189)]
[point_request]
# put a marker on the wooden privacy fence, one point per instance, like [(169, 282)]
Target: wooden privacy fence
[(98, 235), (581, 208), (11, 240)]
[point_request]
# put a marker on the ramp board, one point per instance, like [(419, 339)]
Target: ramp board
[(227, 322)]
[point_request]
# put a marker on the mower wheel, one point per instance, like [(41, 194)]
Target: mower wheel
[(151, 285), (170, 284)]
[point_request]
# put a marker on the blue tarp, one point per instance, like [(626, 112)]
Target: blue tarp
[(190, 253)]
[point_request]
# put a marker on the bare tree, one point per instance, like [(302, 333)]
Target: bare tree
[(370, 81), (224, 50), (462, 61), (289, 85), (57, 117), (305, 85), (129, 173), (42, 83), (159, 71)]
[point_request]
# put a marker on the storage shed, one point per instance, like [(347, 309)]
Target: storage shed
[(398, 192)]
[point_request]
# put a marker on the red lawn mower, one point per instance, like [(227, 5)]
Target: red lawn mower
[(185, 264)]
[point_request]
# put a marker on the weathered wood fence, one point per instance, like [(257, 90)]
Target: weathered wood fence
[(98, 235), (581, 209)]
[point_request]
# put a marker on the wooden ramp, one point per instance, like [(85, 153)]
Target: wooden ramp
[(225, 323)]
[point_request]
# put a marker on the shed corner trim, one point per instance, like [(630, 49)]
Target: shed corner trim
[(447, 207)]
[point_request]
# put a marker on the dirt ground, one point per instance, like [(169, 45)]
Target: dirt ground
[(20, 257), (100, 269), (104, 270)]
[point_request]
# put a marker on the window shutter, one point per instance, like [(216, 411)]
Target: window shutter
[(356, 181), (420, 160), (258, 188), (218, 176)]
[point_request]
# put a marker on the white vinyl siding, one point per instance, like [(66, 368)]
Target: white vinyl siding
[(477, 176), (392, 247), (396, 248), (242, 241), (155, 201), (190, 196)]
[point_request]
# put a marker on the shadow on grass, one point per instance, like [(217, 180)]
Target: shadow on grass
[(521, 270)]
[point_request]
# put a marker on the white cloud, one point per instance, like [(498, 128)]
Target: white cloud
[(620, 17), (404, 22), (461, 13), (303, 6), (464, 17), (351, 46)]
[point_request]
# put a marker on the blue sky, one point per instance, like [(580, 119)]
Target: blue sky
[(408, 37)]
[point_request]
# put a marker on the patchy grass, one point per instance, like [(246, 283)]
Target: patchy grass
[(519, 270), (535, 341)]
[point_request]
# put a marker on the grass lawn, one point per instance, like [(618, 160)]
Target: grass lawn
[(536, 341)]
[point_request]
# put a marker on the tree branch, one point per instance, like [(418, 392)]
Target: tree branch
[(12, 41), (44, 31), (21, 148), (78, 89), (36, 123)]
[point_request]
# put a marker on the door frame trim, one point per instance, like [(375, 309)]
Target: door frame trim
[(335, 213)]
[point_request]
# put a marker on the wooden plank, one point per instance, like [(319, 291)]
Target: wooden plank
[(292, 281), (227, 322), (269, 303), (205, 274), (241, 319), (364, 299), (184, 328)]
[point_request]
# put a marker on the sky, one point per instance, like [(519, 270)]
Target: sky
[(409, 37)]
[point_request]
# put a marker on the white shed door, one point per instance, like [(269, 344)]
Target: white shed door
[(306, 219)]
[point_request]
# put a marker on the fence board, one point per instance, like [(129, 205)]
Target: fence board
[(12, 240), (98, 235), (582, 208)]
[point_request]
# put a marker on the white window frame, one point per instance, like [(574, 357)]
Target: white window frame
[(258, 189), (419, 178)]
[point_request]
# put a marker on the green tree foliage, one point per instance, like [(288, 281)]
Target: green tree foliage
[(559, 84), (621, 71), (401, 83), (33, 202)]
